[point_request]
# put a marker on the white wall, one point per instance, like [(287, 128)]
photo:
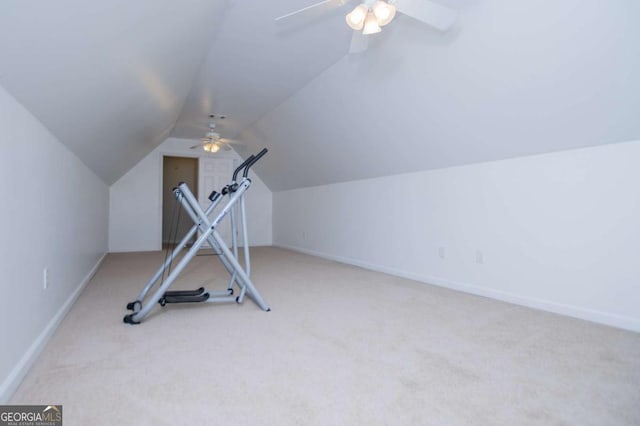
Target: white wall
[(557, 231), (55, 215), (135, 218)]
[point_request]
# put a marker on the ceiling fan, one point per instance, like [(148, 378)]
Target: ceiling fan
[(370, 15), (212, 141)]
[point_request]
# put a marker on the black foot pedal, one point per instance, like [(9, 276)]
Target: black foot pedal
[(180, 293), (186, 299)]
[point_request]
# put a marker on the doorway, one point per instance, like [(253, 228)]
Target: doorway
[(174, 171)]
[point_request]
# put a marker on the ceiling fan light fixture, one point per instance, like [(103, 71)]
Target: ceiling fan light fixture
[(356, 18), (371, 25), (384, 12), (211, 147)]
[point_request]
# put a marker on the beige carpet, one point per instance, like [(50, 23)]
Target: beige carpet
[(342, 346)]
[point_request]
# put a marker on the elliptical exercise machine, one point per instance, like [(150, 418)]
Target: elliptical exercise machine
[(208, 234)]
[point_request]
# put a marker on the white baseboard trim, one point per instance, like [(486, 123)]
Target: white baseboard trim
[(613, 320), (134, 250), (204, 246), (13, 380)]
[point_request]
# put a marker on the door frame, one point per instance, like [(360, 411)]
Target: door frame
[(199, 156), (160, 184)]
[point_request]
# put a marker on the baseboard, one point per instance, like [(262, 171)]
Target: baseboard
[(135, 250), (618, 321), (21, 369), (204, 246)]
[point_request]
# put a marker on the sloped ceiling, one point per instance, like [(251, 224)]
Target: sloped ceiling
[(254, 65), (108, 78), (113, 79), (515, 78)]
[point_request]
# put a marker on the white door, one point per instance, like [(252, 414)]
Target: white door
[(214, 174)]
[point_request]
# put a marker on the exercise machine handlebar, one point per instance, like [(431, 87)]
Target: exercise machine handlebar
[(246, 165), (242, 166), (254, 161)]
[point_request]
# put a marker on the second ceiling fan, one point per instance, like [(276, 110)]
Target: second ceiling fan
[(369, 16), (212, 142)]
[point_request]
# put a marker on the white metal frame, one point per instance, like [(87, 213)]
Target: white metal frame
[(228, 257)]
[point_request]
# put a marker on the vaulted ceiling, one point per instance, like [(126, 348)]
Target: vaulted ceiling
[(113, 79)]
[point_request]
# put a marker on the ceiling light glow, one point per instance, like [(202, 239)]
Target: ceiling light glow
[(369, 18)]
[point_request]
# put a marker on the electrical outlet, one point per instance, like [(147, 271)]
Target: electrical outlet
[(479, 257), (45, 278), (441, 252)]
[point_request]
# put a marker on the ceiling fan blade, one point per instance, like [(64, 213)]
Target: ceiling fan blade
[(430, 13), (310, 11), (196, 146), (359, 42)]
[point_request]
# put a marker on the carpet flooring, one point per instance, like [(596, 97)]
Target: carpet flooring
[(341, 346)]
